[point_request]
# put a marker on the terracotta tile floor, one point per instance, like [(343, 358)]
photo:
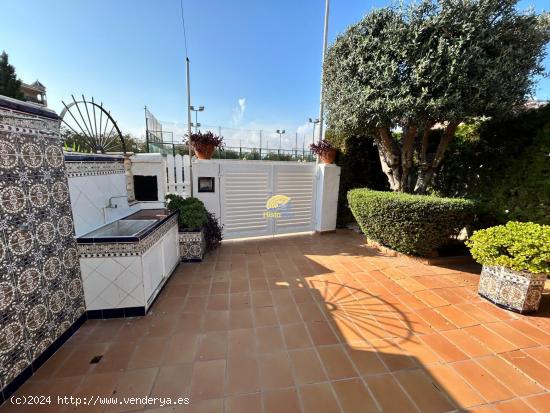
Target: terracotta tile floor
[(310, 324)]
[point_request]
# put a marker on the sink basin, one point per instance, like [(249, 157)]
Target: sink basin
[(121, 228)]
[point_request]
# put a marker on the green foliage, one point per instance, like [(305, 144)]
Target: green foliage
[(10, 85), (520, 246), (505, 163), (412, 224), (212, 232), (192, 212), (443, 60), (434, 62), (360, 167), (79, 143)]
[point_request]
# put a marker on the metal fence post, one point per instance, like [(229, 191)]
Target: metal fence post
[(260, 144)]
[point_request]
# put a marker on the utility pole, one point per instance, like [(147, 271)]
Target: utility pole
[(321, 103), (189, 128)]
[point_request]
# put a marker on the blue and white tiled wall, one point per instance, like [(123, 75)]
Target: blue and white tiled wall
[(41, 294)]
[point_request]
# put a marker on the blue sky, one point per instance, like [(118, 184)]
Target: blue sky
[(130, 53)]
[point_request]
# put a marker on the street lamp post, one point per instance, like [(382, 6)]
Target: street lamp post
[(280, 132), (315, 122), (321, 100), (199, 109)]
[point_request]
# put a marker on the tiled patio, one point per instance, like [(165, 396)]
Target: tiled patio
[(313, 323)]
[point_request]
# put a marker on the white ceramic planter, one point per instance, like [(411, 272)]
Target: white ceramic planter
[(513, 290)]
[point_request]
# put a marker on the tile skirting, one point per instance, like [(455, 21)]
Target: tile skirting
[(127, 312), (22, 377), (108, 313)]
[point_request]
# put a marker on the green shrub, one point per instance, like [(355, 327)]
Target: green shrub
[(212, 232), (520, 246), (360, 167), (412, 224), (503, 162), (192, 212)]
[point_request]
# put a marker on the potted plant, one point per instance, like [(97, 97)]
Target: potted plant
[(192, 217), (199, 231), (516, 262), (324, 150), (205, 143)]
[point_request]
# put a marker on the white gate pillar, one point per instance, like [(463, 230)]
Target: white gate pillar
[(326, 205)]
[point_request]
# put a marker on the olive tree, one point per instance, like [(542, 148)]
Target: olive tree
[(421, 70)]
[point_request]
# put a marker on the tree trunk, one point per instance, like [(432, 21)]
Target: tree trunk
[(429, 169), (389, 157), (407, 151)]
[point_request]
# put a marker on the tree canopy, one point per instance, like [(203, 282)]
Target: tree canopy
[(432, 64), (10, 85)]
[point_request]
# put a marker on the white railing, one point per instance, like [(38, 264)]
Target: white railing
[(177, 174)]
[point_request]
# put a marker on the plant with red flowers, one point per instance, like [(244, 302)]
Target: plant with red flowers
[(324, 150), (205, 138), (205, 143)]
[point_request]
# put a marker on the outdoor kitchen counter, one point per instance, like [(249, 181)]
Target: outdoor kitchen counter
[(122, 275)]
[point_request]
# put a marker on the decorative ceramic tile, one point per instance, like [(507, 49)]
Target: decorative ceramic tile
[(512, 289), (40, 284), (192, 245), (125, 249), (94, 168)]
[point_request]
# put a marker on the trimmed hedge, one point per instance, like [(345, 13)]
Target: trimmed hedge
[(412, 224)]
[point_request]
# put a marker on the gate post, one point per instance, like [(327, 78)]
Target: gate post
[(328, 185)]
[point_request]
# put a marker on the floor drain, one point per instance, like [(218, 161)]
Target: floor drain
[(95, 359)]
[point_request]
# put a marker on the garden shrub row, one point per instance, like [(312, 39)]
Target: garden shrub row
[(412, 224)]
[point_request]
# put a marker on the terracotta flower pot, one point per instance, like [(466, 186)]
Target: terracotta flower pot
[(204, 151), (328, 157)]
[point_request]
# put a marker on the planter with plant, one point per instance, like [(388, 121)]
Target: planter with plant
[(199, 231), (516, 262), (205, 143), (324, 150)]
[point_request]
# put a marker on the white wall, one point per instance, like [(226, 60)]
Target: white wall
[(90, 196), (151, 164), (208, 168)]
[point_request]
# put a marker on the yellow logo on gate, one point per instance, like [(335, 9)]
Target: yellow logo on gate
[(277, 206), (276, 201)]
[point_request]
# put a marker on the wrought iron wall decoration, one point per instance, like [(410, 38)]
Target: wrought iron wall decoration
[(93, 125)]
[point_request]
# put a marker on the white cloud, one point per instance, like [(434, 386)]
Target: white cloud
[(305, 129), (238, 112)]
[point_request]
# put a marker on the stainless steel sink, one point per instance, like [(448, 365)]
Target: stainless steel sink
[(121, 228)]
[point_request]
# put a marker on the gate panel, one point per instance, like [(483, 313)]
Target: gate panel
[(245, 188), (298, 183)]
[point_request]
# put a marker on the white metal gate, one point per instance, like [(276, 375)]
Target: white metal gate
[(246, 188)]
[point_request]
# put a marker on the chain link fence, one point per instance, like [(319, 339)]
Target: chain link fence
[(169, 137)]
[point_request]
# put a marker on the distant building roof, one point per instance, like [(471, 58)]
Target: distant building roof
[(35, 86), (535, 104)]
